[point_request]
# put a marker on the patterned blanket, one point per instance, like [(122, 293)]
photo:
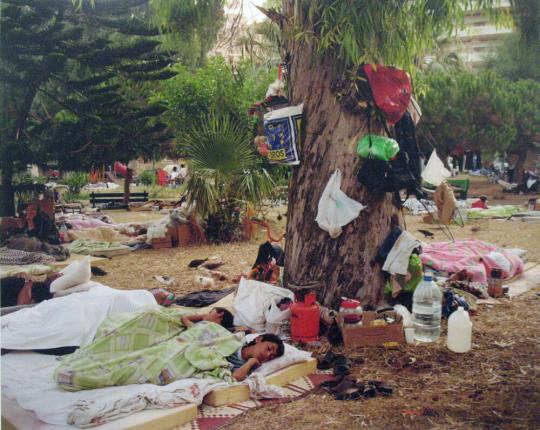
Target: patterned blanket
[(17, 257), (474, 256), (151, 347)]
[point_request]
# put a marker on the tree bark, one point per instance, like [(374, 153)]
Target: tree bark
[(127, 183), (7, 202), (345, 266)]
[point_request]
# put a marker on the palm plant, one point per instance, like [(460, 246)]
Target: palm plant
[(225, 172)]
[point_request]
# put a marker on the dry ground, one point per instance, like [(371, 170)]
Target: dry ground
[(496, 385)]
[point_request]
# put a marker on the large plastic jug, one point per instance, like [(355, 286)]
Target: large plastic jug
[(427, 300), (459, 331)]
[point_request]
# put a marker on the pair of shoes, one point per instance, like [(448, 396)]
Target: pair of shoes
[(350, 389), (342, 365)]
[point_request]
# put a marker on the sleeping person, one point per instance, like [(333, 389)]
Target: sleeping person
[(204, 350)]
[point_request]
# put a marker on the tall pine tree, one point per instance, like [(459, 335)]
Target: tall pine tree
[(68, 80)]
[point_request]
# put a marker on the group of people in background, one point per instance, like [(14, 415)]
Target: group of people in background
[(178, 176)]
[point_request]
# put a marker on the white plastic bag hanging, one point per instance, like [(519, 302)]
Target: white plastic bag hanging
[(435, 172), (336, 209)]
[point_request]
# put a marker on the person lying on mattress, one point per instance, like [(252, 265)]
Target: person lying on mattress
[(21, 289), (204, 350)]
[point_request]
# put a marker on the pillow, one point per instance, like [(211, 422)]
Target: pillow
[(290, 356), (75, 274), (76, 289)]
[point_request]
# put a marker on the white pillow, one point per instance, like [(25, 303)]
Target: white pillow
[(291, 355), (76, 289), (71, 267), (75, 274)]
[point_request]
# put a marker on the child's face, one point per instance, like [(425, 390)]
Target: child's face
[(214, 316), (264, 351)]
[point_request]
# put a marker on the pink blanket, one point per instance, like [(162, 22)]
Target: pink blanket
[(475, 256), (79, 224)]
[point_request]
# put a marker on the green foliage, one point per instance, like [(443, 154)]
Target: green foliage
[(390, 32), (525, 96), (514, 60), (527, 17), (148, 177), (76, 83), (191, 26), (224, 171), (76, 180), (480, 111), (191, 95)]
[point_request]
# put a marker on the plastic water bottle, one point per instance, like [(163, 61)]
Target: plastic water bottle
[(427, 300), (459, 331)]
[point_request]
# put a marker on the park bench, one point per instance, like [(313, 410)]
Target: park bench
[(115, 200)]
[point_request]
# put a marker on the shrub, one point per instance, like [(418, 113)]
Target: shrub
[(75, 181), (148, 177)]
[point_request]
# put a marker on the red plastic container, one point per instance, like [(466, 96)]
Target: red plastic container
[(305, 319)]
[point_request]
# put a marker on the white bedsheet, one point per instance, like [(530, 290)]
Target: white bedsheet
[(36, 391), (68, 321), (27, 377)]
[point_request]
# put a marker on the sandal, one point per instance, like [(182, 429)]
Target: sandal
[(327, 361), (381, 388), (341, 387)]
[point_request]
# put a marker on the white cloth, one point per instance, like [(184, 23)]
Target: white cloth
[(37, 392), (259, 389), (397, 260), (435, 172), (252, 301), (68, 321)]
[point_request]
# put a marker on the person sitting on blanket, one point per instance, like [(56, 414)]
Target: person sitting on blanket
[(481, 203), (204, 350)]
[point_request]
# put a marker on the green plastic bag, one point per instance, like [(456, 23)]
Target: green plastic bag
[(380, 147)]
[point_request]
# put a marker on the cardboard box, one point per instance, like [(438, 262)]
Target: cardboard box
[(162, 242), (368, 335)]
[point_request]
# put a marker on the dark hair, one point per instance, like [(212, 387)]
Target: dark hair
[(269, 337), (41, 291), (483, 198), (228, 318)]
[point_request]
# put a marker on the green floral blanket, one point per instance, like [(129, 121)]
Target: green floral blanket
[(151, 346)]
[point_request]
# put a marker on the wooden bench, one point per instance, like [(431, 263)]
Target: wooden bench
[(116, 200)]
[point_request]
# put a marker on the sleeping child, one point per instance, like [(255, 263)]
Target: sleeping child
[(205, 350)]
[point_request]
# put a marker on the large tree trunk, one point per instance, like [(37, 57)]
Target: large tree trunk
[(345, 266), (127, 183), (7, 202)]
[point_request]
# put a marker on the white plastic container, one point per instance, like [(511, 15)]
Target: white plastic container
[(459, 331), (427, 299)]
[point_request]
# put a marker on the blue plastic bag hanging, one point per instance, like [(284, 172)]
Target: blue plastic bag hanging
[(282, 129)]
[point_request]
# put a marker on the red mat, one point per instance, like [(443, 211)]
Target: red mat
[(212, 418)]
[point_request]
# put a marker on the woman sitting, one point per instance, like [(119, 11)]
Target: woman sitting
[(204, 350)]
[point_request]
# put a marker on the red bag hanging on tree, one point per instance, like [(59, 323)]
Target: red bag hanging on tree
[(120, 169), (391, 89)]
